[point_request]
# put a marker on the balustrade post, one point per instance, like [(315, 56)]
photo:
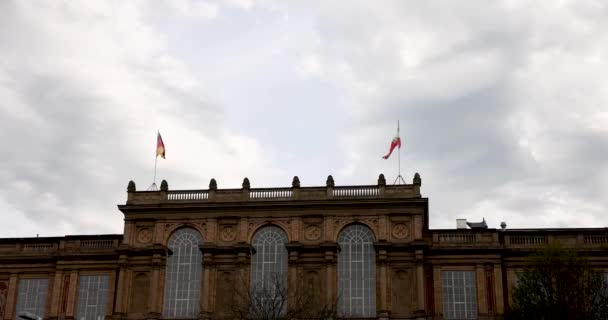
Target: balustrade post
[(245, 191), (295, 188), (164, 188), (330, 186), (131, 192), (381, 185), (212, 189)]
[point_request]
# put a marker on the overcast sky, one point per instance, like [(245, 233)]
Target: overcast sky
[(503, 104)]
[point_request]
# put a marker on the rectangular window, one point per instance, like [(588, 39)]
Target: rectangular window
[(92, 297), (459, 295), (31, 297)]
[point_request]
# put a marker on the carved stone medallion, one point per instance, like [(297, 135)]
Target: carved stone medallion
[(144, 235), (401, 231), (312, 233), (228, 234)]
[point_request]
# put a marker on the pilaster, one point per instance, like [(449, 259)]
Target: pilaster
[(56, 294), (482, 303), (121, 288), (11, 297), (73, 287), (498, 289), (437, 285)]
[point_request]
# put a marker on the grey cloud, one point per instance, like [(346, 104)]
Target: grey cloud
[(461, 117)]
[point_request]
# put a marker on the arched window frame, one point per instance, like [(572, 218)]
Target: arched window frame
[(269, 269), (357, 272), (183, 275)]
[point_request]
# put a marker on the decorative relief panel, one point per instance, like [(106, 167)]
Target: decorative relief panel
[(401, 230), (228, 233), (312, 232), (144, 235)]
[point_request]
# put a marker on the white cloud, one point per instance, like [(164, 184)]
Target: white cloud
[(83, 90), (502, 110)]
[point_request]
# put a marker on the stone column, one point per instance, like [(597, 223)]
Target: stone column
[(11, 297), (438, 287), (56, 294), (420, 306), (69, 313), (381, 274), (207, 283), (154, 301), (498, 290), (331, 279), (292, 270), (482, 303), (121, 287)]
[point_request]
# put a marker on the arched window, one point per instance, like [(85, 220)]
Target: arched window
[(269, 264), (357, 272), (183, 276)]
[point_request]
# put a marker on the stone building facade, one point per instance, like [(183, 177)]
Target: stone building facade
[(367, 249)]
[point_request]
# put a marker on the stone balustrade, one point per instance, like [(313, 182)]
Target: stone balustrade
[(520, 239), (53, 245), (246, 193)]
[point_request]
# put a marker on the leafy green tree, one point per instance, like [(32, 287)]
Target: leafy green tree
[(557, 283)]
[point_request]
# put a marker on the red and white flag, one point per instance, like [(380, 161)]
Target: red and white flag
[(395, 143), (160, 146)]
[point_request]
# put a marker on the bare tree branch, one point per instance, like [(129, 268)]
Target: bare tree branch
[(271, 299)]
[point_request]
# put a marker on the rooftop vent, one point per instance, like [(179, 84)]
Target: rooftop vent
[(478, 225), (461, 224)]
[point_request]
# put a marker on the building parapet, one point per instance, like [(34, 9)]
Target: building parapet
[(53, 245), (465, 238), (295, 192), (522, 238)]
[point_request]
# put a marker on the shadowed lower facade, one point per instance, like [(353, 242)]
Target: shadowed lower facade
[(366, 249)]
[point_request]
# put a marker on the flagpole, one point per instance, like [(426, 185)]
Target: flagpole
[(155, 161), (399, 155), (399, 178), (153, 186)]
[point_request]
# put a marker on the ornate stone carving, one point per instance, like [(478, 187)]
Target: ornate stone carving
[(228, 234), (144, 235), (417, 180), (330, 181), (296, 182), (401, 231), (312, 232), (381, 180)]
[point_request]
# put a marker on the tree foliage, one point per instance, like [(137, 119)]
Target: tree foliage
[(557, 283)]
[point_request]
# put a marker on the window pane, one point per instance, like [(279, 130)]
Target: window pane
[(31, 297), (357, 272), (183, 275), (92, 297), (269, 262), (459, 295)]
